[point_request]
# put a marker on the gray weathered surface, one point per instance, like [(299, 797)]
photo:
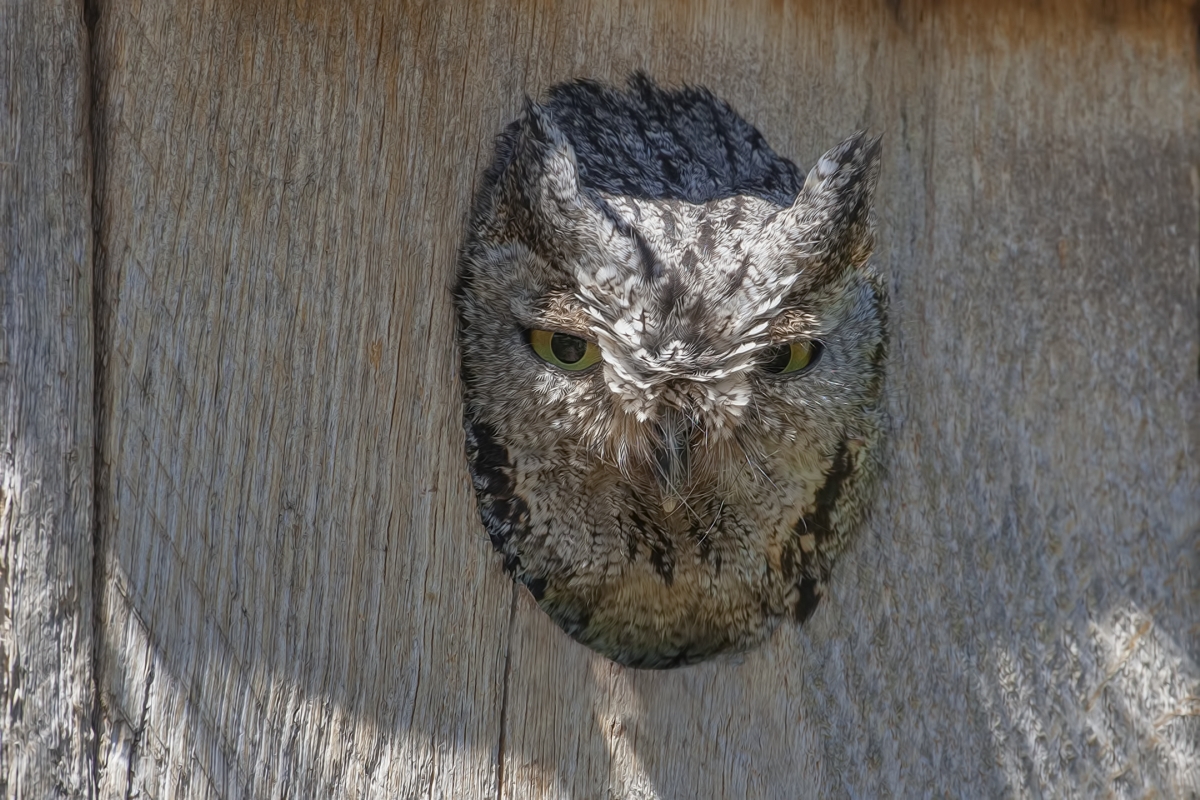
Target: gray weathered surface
[(298, 599), (47, 430)]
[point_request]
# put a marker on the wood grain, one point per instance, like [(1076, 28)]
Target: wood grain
[(47, 419), (298, 599)]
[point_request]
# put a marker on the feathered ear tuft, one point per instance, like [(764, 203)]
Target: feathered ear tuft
[(850, 167), (547, 163), (538, 188), (830, 222), (541, 178)]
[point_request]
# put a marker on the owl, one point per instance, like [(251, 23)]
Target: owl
[(672, 356)]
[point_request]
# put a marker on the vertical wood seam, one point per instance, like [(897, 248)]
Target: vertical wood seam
[(91, 20), (500, 754)]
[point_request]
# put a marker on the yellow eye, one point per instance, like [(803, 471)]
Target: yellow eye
[(564, 350), (791, 357)]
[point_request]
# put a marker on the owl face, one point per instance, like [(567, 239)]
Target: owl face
[(671, 403)]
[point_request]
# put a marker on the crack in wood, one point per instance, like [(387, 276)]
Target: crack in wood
[(500, 748)]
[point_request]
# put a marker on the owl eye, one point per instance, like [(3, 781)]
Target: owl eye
[(564, 350), (792, 357)]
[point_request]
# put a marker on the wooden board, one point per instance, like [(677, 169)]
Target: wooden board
[(47, 417), (298, 598)]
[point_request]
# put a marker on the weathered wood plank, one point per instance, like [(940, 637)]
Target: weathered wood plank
[(47, 430), (299, 599)]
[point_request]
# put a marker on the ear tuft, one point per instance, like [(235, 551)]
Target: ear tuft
[(542, 176), (830, 222), (850, 167), (539, 198), (548, 158)]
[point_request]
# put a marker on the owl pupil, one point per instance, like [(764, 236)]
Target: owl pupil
[(568, 349), (777, 358)]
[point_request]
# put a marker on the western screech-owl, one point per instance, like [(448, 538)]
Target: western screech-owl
[(672, 358)]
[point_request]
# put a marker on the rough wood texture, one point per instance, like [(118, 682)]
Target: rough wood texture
[(298, 599), (47, 431)]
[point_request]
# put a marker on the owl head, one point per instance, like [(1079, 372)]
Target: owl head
[(672, 350)]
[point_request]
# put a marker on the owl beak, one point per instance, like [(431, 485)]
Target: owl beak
[(672, 455)]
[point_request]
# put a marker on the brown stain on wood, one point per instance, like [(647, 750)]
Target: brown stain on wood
[(1196, 31)]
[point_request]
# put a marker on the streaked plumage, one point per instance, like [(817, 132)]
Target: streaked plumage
[(676, 498)]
